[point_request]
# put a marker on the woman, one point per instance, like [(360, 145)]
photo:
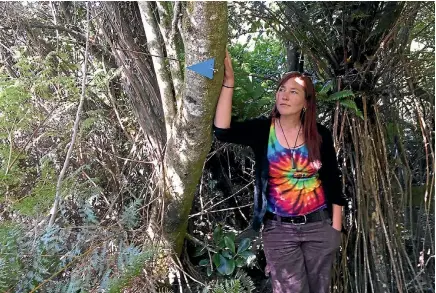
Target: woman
[(297, 194)]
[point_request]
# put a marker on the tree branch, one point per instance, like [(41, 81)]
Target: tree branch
[(75, 127)]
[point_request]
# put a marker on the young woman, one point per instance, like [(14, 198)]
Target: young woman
[(297, 194)]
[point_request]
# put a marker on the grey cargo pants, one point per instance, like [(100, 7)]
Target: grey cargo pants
[(300, 257)]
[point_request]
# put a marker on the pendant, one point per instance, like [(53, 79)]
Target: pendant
[(293, 162)]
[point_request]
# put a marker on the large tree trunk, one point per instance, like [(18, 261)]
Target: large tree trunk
[(175, 114), (205, 28), (190, 109)]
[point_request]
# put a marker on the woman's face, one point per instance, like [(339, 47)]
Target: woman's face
[(290, 97)]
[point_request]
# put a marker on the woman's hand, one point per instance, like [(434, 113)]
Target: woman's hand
[(337, 217), (223, 113), (337, 226), (229, 77)]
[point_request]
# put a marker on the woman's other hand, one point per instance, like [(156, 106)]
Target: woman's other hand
[(229, 76)]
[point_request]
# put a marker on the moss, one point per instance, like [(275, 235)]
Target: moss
[(183, 207)]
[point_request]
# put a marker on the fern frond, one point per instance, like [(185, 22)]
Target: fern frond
[(340, 95), (130, 216), (246, 282)]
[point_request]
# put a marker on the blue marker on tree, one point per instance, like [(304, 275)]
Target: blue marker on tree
[(205, 68)]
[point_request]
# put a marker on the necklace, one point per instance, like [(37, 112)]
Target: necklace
[(295, 144)]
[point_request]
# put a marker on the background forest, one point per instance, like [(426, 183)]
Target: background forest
[(111, 180)]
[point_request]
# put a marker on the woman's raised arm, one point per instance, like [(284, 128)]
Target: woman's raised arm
[(223, 112)]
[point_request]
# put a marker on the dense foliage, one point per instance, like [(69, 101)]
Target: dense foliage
[(373, 67)]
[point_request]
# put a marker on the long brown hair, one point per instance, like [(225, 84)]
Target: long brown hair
[(308, 118)]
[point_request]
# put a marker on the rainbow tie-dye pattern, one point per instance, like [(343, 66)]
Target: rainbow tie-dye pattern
[(292, 192)]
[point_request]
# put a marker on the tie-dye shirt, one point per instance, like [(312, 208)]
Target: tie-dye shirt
[(292, 192)]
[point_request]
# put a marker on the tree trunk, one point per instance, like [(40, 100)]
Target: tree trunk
[(169, 28), (124, 32), (182, 137), (189, 130), (156, 49), (292, 56), (205, 28)]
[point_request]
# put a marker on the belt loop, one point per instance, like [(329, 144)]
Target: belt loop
[(325, 215), (279, 220), (323, 218)]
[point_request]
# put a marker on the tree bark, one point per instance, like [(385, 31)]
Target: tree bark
[(124, 31), (292, 56), (155, 46), (169, 29), (205, 28)]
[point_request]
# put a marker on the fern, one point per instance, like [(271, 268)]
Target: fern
[(10, 266), (350, 104), (104, 284), (324, 88), (340, 95), (74, 286), (246, 282), (136, 260), (130, 216), (86, 210), (228, 286), (241, 283), (3, 275), (44, 259)]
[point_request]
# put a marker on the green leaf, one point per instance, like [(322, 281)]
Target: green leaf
[(322, 97), (227, 254), (217, 234), (240, 262), (216, 260), (350, 104), (318, 87), (227, 266), (244, 245), (231, 266), (230, 243), (248, 256), (257, 92), (221, 244), (204, 262), (231, 235), (340, 95)]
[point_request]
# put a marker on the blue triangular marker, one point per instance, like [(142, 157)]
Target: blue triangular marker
[(204, 68)]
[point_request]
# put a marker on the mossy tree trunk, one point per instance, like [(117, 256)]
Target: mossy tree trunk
[(192, 106)]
